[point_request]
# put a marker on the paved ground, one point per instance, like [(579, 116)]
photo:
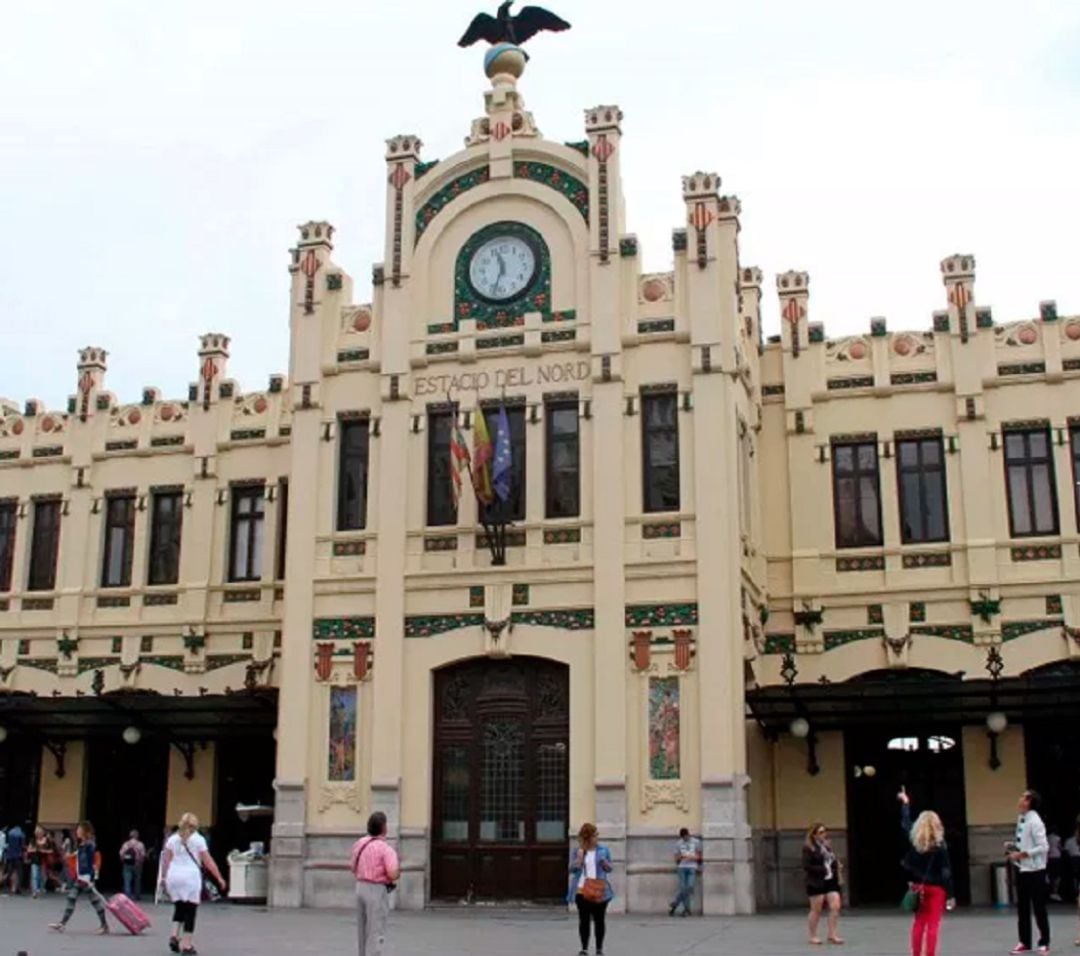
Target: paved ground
[(245, 931)]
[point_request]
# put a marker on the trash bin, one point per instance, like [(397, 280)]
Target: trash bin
[(1000, 885), (248, 880)]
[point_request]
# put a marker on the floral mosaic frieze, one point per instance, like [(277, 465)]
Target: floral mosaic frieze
[(570, 186), (343, 628), (779, 644), (1035, 552), (443, 197), (840, 638), (949, 632), (1011, 630), (661, 615), (571, 619), (428, 625)]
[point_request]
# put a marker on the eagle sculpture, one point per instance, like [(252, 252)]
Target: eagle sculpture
[(504, 28)]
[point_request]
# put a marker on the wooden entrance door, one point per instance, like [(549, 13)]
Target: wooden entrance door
[(501, 788), (929, 763)]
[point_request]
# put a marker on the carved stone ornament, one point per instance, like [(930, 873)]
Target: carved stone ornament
[(897, 649), (331, 796), (657, 792)]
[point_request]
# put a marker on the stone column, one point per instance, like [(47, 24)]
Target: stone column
[(609, 503), (310, 258), (711, 275)]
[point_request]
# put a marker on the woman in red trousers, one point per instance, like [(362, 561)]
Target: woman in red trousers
[(930, 873)]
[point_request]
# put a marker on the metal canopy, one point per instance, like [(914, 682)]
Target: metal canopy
[(205, 717), (922, 697)]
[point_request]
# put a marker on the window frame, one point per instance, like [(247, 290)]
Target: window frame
[(359, 457), (1027, 464), (281, 544), (518, 460), (433, 496), (1074, 440), (118, 516), (856, 475), (9, 522), (648, 504), (919, 470), (551, 440), (250, 522), (158, 528), (49, 549)]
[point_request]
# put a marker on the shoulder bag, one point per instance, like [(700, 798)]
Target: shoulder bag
[(390, 887), (913, 897), (593, 890), (210, 893)]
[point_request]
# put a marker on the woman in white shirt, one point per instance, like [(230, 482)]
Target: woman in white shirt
[(182, 864), (589, 887)]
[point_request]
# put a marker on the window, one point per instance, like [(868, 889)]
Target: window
[(856, 494), (514, 508), (1029, 475), (282, 526), (660, 451), (352, 474), (246, 539), (1076, 470), (9, 513), (746, 452), (166, 519), (440, 495), (924, 509), (563, 478), (44, 545), (119, 533)]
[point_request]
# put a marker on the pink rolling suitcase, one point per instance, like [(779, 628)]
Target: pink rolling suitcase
[(130, 916)]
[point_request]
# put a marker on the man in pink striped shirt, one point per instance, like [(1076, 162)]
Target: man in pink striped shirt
[(376, 868)]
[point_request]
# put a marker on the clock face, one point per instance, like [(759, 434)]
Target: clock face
[(502, 268)]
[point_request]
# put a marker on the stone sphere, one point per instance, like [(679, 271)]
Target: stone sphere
[(505, 58)]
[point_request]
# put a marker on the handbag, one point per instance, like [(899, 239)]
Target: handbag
[(593, 890), (209, 892), (912, 899)]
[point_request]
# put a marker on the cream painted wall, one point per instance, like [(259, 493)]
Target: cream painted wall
[(60, 799), (195, 795), (992, 794)]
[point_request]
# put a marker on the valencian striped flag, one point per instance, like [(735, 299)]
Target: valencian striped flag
[(500, 469), (459, 461), (482, 455)]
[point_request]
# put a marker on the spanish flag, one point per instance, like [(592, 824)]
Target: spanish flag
[(483, 452)]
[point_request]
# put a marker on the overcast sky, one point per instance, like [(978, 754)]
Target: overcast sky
[(156, 155)]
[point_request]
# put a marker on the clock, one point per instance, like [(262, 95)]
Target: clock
[(503, 268)]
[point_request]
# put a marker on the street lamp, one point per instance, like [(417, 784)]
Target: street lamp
[(132, 735), (996, 722), (801, 729)]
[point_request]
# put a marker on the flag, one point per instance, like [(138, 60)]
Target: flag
[(459, 461), (482, 452), (500, 469)]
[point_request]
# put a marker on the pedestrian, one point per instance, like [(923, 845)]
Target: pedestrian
[(1072, 852), (85, 877), (687, 861), (822, 869), (590, 888), (929, 872), (1028, 854), (182, 864), (1054, 862), (39, 853), (376, 869), (14, 852), (132, 857)]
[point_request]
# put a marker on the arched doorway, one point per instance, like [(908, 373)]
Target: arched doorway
[(501, 780)]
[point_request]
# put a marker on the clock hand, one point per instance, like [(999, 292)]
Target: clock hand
[(502, 270)]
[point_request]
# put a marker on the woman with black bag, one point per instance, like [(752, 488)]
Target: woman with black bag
[(185, 864), (929, 870), (822, 869)]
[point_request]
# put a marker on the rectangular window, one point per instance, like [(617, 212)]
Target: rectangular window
[(352, 474), (745, 501), (44, 546), (1075, 435), (513, 508), (283, 526), (246, 537), (440, 496), (119, 535), (856, 494), (9, 514), (563, 478), (660, 451), (166, 520), (1029, 475), (924, 507)]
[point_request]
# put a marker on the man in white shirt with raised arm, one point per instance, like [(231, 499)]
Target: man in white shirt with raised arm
[(1028, 854)]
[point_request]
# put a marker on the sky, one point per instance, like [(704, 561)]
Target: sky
[(156, 157)]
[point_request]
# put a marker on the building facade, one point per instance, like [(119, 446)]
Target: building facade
[(747, 584)]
